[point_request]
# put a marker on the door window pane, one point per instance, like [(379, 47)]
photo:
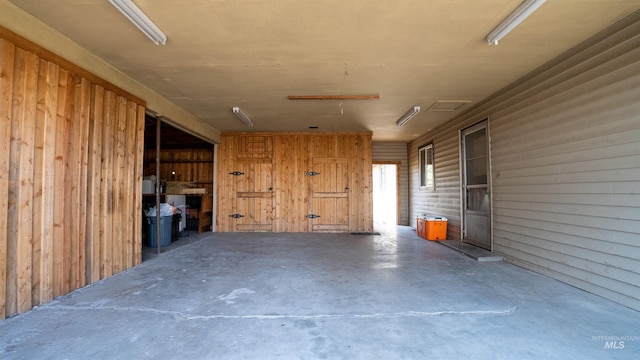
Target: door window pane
[(476, 157), (478, 200)]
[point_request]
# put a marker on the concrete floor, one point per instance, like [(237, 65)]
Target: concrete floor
[(323, 296)]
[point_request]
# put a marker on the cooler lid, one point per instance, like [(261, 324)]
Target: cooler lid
[(435, 218)]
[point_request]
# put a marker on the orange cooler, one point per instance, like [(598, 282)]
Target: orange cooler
[(436, 227)]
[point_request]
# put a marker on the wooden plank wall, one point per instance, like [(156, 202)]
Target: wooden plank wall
[(70, 170), (194, 165), (291, 188), (565, 156), (291, 156)]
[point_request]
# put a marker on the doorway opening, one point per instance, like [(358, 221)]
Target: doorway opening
[(180, 166), (476, 213), (385, 195)]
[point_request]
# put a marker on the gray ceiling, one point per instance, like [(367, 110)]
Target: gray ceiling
[(255, 53)]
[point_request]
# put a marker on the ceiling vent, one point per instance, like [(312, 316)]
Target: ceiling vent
[(448, 105)]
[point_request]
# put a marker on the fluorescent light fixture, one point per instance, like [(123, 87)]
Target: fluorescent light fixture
[(244, 118), (140, 20), (516, 17), (408, 115)]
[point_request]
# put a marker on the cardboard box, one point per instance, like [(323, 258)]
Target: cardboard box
[(193, 191), (421, 227)]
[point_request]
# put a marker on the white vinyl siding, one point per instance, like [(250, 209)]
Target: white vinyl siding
[(565, 158), (444, 200), (395, 151)]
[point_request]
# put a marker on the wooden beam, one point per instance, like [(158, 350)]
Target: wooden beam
[(107, 213), (60, 223), (129, 205), (43, 183), (7, 56), (119, 170), (82, 118), (137, 197), (19, 249), (334, 97), (93, 233)]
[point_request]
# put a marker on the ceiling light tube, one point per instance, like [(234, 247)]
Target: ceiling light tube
[(408, 115), (140, 20), (517, 16), (244, 118)]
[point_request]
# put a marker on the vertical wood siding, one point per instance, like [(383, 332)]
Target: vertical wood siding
[(291, 156), (7, 60), (193, 165), (290, 183), (565, 157), (392, 151), (70, 169)]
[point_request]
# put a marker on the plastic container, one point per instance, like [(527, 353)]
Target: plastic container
[(148, 187), (436, 228), (165, 231)]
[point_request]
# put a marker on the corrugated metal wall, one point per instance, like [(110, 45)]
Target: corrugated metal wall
[(395, 151), (565, 157)]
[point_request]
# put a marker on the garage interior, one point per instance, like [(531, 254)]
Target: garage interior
[(184, 164), (278, 121), (322, 296)]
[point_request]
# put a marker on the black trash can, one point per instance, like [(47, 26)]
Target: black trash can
[(175, 227)]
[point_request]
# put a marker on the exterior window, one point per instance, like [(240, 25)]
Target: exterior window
[(427, 170)]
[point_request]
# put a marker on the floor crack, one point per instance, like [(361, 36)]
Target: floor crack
[(185, 316)]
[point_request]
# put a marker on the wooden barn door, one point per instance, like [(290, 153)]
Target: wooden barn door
[(329, 195), (254, 195)]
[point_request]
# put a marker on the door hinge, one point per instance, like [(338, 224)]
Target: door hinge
[(236, 173), (312, 216), (236, 216), (312, 173)]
